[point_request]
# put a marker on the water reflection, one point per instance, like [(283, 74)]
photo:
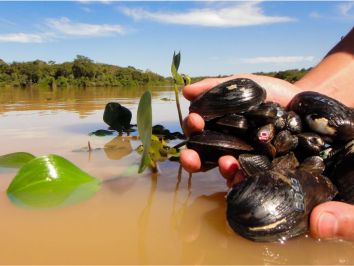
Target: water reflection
[(84, 101), (118, 147)]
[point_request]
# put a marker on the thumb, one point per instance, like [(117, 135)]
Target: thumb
[(332, 220)]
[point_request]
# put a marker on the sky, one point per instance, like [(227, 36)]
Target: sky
[(214, 37)]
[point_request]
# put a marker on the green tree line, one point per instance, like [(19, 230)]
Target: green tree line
[(290, 75), (81, 72), (84, 72)]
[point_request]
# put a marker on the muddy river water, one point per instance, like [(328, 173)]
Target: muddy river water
[(164, 218)]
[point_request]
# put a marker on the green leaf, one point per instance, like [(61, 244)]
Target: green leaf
[(51, 181), (144, 121), (15, 160), (174, 69), (176, 59)]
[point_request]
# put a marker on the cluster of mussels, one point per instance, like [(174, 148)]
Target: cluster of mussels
[(293, 158)]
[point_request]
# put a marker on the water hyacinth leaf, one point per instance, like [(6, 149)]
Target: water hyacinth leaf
[(144, 121), (174, 69), (15, 160), (51, 181), (101, 133)]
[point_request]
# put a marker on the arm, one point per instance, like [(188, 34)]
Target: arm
[(334, 75)]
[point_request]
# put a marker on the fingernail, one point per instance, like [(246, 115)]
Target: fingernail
[(327, 225)]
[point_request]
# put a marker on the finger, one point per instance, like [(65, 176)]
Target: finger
[(190, 160), (228, 166), (193, 123), (239, 177), (332, 220), (192, 91)]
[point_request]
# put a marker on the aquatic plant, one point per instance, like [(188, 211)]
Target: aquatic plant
[(47, 181), (179, 80)]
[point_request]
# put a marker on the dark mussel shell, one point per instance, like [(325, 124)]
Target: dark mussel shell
[(284, 142), (262, 140), (232, 124), (233, 96), (265, 133), (285, 162), (253, 164), (263, 114), (311, 143), (211, 145), (293, 122), (324, 115), (343, 173), (273, 206), (314, 165)]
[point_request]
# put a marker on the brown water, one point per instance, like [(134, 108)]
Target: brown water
[(169, 218)]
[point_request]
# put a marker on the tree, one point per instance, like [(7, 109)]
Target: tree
[(83, 67)]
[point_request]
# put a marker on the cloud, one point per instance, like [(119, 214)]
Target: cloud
[(233, 15), (86, 9), (23, 38), (278, 59), (67, 27), (341, 11), (345, 9)]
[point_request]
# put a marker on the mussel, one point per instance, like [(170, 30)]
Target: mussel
[(233, 96), (232, 124), (276, 197), (211, 145), (343, 173), (274, 205), (324, 114)]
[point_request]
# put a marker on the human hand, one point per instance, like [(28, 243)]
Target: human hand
[(277, 90), (328, 220)]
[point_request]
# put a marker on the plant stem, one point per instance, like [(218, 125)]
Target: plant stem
[(178, 108)]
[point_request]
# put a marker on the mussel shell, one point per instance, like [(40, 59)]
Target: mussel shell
[(263, 114), (211, 145), (273, 206), (314, 165), (324, 115), (285, 162), (232, 124), (293, 122), (265, 133), (284, 142), (343, 173), (311, 143), (233, 96), (253, 164)]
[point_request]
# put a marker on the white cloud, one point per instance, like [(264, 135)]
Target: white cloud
[(22, 38), (86, 9), (67, 27), (345, 9), (278, 59), (315, 15), (232, 15)]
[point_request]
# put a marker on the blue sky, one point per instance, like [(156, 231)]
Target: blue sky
[(214, 37)]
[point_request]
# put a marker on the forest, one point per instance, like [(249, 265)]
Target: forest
[(84, 72), (81, 72)]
